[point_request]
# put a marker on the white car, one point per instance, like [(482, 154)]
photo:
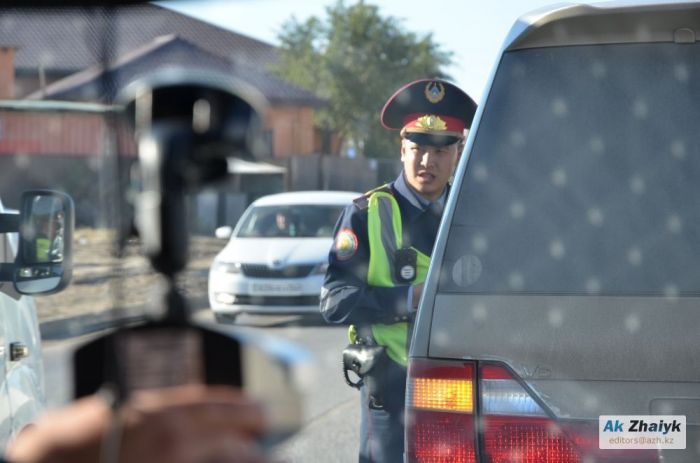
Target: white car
[(29, 268), (277, 256), (22, 394)]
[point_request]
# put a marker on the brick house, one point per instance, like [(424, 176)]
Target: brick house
[(56, 54)]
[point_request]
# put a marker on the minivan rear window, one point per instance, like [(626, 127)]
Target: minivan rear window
[(584, 177)]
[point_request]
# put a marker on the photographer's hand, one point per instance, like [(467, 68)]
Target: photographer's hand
[(187, 424)]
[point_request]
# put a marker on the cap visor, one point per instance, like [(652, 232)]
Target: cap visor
[(430, 139)]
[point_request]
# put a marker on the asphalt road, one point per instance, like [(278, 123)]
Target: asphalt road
[(331, 409)]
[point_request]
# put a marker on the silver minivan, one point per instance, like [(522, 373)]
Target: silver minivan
[(563, 300)]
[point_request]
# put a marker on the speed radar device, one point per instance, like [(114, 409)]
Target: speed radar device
[(186, 127)]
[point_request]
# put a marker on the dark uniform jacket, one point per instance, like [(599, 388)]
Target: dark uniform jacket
[(346, 297)]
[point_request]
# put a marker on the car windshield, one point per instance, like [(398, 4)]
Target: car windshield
[(285, 98), (289, 221)]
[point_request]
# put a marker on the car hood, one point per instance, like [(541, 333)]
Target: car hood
[(277, 251)]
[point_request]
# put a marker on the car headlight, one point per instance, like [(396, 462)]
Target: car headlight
[(320, 269), (226, 267)]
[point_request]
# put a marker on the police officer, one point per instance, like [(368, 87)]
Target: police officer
[(382, 248)]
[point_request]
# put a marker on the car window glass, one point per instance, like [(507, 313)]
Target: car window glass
[(603, 204), (291, 221)]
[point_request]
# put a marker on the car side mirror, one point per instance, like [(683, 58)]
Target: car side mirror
[(223, 233), (44, 262)]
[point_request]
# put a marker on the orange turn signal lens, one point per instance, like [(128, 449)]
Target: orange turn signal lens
[(450, 395)]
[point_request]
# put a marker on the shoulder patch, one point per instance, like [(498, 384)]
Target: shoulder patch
[(345, 244)]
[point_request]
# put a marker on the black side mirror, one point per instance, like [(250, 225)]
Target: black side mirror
[(44, 263)]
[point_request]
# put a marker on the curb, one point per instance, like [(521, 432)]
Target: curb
[(56, 329), (79, 325)]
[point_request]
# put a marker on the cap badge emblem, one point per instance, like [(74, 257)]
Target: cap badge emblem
[(434, 91), (431, 122)]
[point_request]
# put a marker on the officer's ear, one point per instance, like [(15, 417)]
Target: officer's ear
[(460, 148), (402, 140), (462, 143)]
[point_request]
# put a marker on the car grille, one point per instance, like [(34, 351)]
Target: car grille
[(277, 300), (263, 271)]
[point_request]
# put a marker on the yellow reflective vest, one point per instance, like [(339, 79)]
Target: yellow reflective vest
[(385, 237), (43, 246)]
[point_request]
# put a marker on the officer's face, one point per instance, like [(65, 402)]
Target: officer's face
[(428, 168)]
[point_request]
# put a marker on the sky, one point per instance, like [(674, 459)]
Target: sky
[(473, 30)]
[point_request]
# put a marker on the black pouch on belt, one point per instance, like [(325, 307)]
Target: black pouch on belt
[(361, 359)]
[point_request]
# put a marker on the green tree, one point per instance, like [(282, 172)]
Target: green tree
[(356, 59)]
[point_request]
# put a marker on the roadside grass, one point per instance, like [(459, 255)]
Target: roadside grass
[(103, 282)]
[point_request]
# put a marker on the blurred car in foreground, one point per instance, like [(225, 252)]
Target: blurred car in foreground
[(277, 255), (565, 279), (22, 379), (28, 268)]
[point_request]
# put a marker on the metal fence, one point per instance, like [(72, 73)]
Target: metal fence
[(225, 204)]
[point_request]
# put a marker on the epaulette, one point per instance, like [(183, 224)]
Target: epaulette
[(362, 202)]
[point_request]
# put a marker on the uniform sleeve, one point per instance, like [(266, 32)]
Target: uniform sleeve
[(346, 297)]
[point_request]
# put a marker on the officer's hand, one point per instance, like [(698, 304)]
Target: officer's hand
[(417, 292), (188, 424)]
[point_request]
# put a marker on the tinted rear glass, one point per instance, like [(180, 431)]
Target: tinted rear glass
[(285, 221), (584, 176)]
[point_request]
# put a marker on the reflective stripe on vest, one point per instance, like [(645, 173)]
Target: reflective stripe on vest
[(385, 237), (43, 246)]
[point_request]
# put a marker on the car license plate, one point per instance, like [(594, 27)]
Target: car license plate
[(262, 289)]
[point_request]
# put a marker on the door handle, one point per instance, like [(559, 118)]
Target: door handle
[(18, 351)]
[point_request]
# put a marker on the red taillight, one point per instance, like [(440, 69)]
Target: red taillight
[(526, 440), (442, 409), (440, 412), (517, 429)]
